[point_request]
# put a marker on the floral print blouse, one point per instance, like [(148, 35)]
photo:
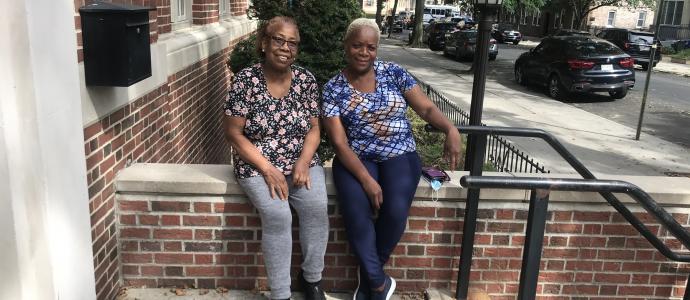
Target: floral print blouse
[(375, 123), (277, 127)]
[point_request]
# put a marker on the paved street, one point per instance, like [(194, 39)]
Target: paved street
[(594, 127), (667, 114)]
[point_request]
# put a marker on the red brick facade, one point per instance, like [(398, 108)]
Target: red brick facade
[(178, 122), (587, 255)]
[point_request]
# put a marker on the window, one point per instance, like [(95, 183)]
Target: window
[(536, 19), (672, 12), (611, 21), (523, 18), (572, 20), (181, 13), (370, 2), (560, 22), (222, 7), (641, 18)]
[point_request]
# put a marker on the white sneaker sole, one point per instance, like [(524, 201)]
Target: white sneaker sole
[(354, 296), (392, 289)]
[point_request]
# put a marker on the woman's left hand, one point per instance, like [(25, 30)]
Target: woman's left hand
[(452, 148), (300, 175)]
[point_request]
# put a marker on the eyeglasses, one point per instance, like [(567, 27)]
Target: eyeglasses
[(279, 42)]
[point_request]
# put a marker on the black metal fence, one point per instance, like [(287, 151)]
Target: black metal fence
[(501, 153), (672, 32)]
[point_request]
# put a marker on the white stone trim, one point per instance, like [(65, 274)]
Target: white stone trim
[(209, 180)]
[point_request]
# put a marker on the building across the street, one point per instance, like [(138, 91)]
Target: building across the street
[(675, 19)]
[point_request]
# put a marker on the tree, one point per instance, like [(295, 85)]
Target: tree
[(379, 9), (392, 20), (418, 27)]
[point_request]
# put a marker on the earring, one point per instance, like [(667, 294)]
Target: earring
[(263, 50)]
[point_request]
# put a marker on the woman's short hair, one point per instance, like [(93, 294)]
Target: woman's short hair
[(359, 24), (267, 29)]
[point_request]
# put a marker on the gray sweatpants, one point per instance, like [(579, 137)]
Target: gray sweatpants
[(276, 228)]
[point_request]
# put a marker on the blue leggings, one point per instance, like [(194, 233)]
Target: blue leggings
[(373, 239)]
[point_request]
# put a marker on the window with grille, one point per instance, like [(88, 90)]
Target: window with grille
[(672, 12), (222, 7), (641, 18), (611, 21), (181, 12)]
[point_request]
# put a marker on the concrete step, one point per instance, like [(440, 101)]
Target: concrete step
[(204, 294)]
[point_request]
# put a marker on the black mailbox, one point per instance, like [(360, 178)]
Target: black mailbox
[(116, 43)]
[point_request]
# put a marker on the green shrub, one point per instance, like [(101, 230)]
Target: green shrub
[(683, 54), (430, 145), (243, 55), (667, 50)]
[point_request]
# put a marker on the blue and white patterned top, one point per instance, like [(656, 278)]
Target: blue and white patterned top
[(375, 123)]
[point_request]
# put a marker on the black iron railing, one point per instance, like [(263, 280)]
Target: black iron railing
[(674, 32), (539, 203), (538, 207), (501, 153)]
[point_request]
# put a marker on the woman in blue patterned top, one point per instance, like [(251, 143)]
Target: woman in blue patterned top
[(377, 169)]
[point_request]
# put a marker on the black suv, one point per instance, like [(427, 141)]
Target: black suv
[(436, 31), (636, 43), (568, 64)]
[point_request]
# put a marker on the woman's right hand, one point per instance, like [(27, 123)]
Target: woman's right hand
[(374, 192), (276, 182)]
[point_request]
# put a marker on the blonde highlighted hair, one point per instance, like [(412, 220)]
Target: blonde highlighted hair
[(359, 24)]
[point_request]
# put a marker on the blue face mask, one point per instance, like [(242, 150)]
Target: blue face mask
[(435, 185)]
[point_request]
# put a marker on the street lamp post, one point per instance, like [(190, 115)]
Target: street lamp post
[(476, 145)]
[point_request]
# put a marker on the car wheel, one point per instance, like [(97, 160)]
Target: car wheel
[(556, 89), (515, 42), (644, 66), (492, 57), (520, 75), (618, 94)]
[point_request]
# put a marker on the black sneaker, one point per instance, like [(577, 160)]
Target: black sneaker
[(388, 289), (362, 290), (312, 291)]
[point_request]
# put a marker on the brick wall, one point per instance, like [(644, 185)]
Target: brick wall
[(204, 12), (177, 123), (215, 241), (238, 7)]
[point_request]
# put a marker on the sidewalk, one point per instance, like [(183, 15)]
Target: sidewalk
[(604, 146), (664, 66)]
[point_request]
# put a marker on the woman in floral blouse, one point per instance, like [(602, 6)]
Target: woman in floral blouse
[(272, 124), (377, 169)]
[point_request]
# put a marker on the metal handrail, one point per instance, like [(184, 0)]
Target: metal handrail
[(587, 185), (581, 169), (539, 202)]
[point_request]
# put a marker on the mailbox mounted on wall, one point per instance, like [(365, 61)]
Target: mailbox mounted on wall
[(115, 38)]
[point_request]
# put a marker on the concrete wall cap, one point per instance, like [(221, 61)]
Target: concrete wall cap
[(190, 179)]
